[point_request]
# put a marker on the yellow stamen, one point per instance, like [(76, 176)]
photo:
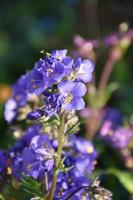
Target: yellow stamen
[(32, 80), (34, 86), (89, 149), (9, 170), (68, 98), (29, 166), (49, 71)]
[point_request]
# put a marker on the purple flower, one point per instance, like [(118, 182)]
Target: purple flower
[(15, 153), (52, 106), (18, 99), (68, 183), (36, 82), (120, 138), (16, 167), (59, 54), (10, 110), (112, 131), (36, 114), (38, 158), (112, 120), (82, 156), (82, 70), (52, 73), (25, 140), (48, 71), (71, 94), (20, 92)]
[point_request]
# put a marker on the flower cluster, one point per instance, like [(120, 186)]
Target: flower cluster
[(34, 156), (49, 152), (17, 107), (59, 79), (113, 132)]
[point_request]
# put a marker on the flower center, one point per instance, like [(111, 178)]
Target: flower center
[(9, 170), (89, 149), (49, 71), (29, 166), (34, 86), (72, 76), (68, 98)]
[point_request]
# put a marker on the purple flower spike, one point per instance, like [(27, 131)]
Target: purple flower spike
[(71, 94)]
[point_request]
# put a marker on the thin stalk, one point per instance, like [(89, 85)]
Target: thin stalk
[(59, 152), (106, 73), (46, 182)]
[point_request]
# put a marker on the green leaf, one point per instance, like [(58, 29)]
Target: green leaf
[(32, 186), (109, 90), (125, 178), (8, 193), (73, 129)]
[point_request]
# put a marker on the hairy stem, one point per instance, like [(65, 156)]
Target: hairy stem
[(59, 152)]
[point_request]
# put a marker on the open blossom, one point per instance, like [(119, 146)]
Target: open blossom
[(35, 82), (82, 156), (82, 70), (71, 94), (38, 158)]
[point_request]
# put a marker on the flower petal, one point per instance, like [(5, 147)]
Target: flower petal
[(28, 155), (79, 89), (78, 103)]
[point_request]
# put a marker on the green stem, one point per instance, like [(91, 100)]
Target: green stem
[(59, 152)]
